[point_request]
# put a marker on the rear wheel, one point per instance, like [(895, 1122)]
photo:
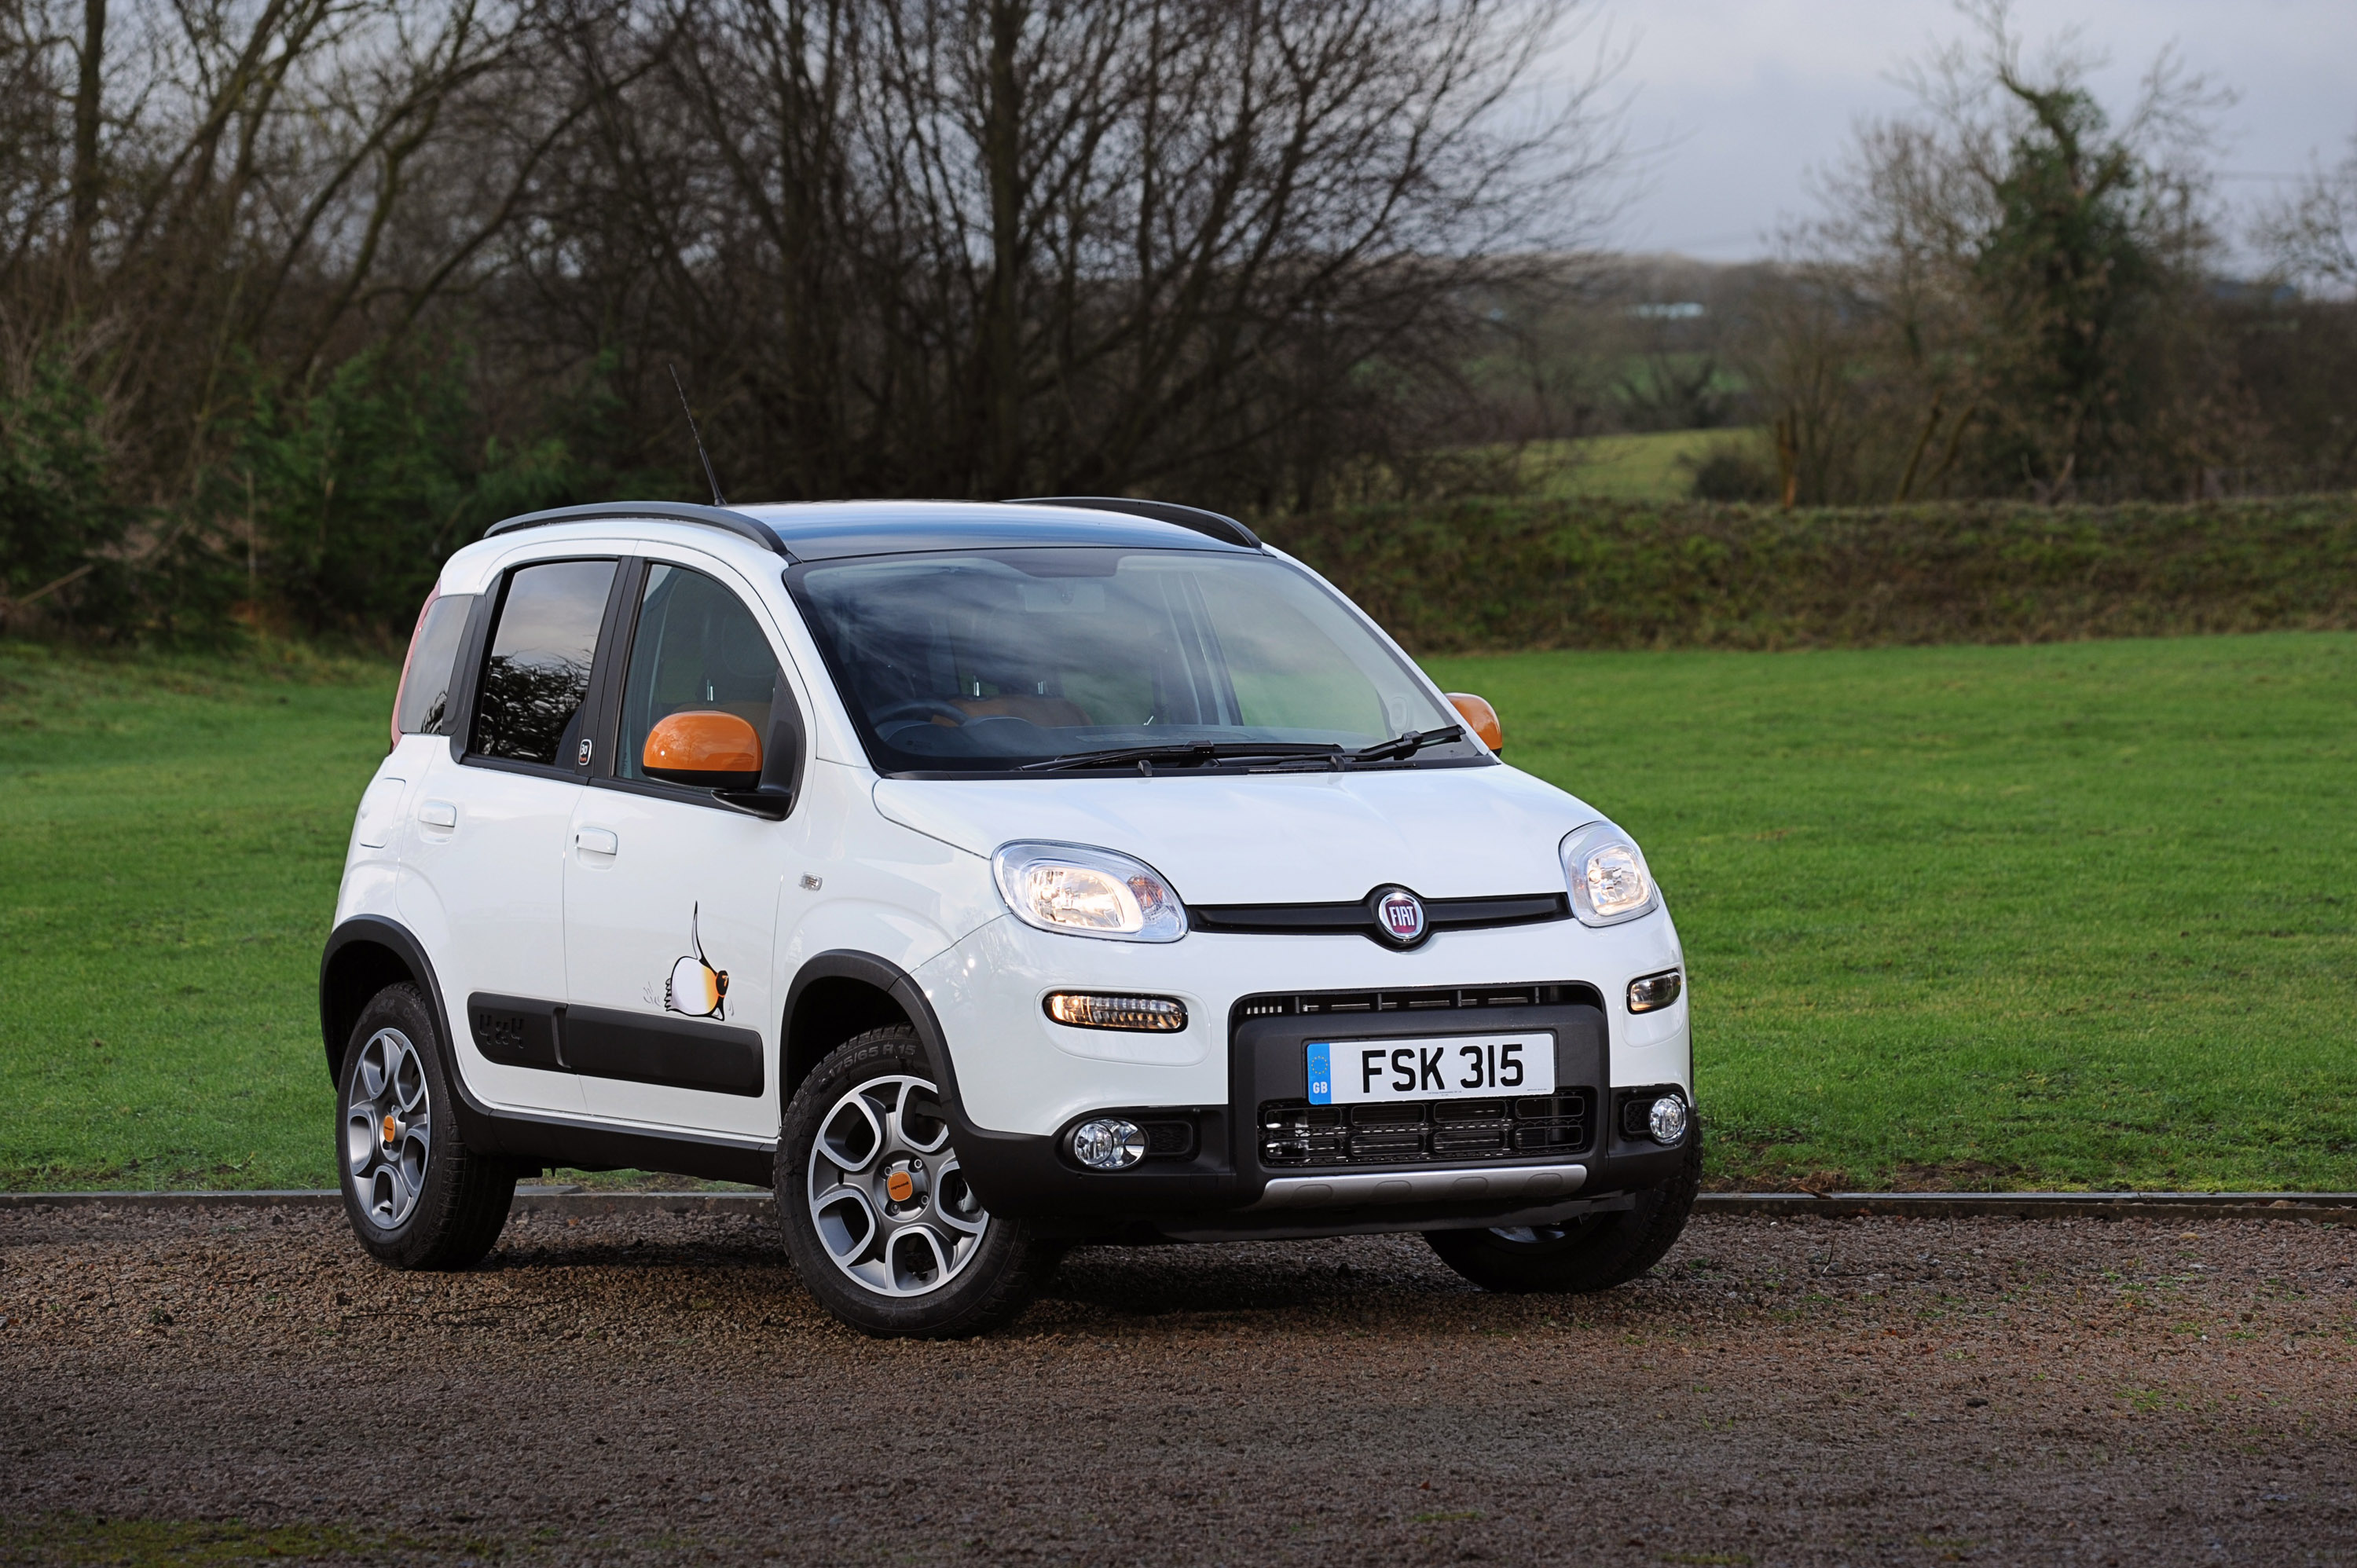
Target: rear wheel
[(418, 1197), (879, 1221), (1588, 1252)]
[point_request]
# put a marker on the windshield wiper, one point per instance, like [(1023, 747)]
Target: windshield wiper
[(1183, 751), (1401, 747), (1397, 749), (1316, 754)]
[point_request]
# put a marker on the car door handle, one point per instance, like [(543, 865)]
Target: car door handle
[(597, 840), (439, 814)]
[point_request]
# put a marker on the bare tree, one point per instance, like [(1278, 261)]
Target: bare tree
[(964, 247), (2313, 235), (1030, 244)]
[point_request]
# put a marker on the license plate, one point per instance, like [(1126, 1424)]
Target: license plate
[(1454, 1066)]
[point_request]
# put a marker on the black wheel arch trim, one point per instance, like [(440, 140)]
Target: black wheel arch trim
[(901, 989), (525, 1135), (999, 1165)]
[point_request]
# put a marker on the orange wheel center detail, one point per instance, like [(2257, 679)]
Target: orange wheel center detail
[(899, 1187), (391, 1129)]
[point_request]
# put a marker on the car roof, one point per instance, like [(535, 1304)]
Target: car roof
[(826, 531)]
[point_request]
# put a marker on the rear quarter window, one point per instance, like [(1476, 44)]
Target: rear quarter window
[(433, 666)]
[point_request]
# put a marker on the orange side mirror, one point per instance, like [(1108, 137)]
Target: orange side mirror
[(710, 750), (1480, 717)]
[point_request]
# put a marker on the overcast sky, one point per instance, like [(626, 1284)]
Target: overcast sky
[(1741, 98)]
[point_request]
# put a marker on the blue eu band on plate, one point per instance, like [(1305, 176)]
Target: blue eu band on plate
[(1449, 1066)]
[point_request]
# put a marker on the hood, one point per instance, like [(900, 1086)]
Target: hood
[(1444, 833)]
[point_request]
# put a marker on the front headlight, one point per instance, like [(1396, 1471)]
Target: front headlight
[(1085, 892), (1607, 872)]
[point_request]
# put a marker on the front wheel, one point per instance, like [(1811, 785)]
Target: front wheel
[(1588, 1252), (879, 1221)]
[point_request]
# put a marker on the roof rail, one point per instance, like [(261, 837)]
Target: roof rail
[(665, 511), (1219, 525)]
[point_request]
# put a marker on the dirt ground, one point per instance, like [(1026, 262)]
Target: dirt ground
[(657, 1388)]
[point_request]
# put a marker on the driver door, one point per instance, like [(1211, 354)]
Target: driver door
[(671, 898)]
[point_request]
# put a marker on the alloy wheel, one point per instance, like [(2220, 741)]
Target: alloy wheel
[(389, 1128), (891, 1204)]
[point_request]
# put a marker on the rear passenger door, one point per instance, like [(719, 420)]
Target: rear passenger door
[(482, 865), (670, 898)]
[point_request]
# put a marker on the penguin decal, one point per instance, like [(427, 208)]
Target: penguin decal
[(696, 988)]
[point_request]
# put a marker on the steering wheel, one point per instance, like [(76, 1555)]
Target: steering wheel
[(918, 707)]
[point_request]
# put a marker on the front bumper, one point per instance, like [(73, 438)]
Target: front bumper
[(1264, 1162)]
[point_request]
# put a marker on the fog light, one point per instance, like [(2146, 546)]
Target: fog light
[(1652, 991), (1108, 1144), (1147, 1014), (1668, 1121)]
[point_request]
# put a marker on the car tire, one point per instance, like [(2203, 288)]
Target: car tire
[(880, 1223), (1590, 1252), (417, 1197)]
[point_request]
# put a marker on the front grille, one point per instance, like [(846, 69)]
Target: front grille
[(1283, 1004), (1296, 1133), (1358, 918)]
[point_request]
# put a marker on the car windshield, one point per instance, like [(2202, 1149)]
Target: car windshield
[(997, 661)]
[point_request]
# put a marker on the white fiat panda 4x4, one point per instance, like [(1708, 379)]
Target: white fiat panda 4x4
[(985, 878)]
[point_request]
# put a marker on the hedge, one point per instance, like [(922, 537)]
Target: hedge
[(1524, 574)]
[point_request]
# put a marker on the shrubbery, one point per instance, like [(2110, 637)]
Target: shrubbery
[(1516, 574), (319, 509)]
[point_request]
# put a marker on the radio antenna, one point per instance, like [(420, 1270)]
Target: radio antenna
[(694, 434)]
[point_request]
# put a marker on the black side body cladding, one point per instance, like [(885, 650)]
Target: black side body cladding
[(601, 1042)]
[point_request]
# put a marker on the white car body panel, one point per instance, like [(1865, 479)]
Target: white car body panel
[(1306, 837), (485, 894)]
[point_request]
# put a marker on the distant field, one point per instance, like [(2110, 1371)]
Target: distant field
[(1656, 466), (2075, 915)]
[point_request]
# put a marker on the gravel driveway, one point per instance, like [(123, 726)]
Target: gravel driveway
[(658, 1388)]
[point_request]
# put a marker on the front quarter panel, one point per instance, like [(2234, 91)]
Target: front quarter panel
[(863, 884)]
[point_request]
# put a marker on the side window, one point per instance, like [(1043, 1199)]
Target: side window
[(537, 675), (698, 650)]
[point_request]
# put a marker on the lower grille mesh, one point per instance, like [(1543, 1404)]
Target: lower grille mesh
[(1295, 1134)]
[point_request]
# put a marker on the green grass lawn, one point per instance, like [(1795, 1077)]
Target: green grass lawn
[(171, 833), (2073, 916), (2063, 916)]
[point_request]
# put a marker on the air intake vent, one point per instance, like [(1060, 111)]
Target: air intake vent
[(1294, 1135)]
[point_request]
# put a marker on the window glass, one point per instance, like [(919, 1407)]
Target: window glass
[(433, 660), (698, 650), (538, 670), (988, 660)]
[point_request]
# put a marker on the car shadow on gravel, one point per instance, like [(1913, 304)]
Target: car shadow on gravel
[(1271, 1280)]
